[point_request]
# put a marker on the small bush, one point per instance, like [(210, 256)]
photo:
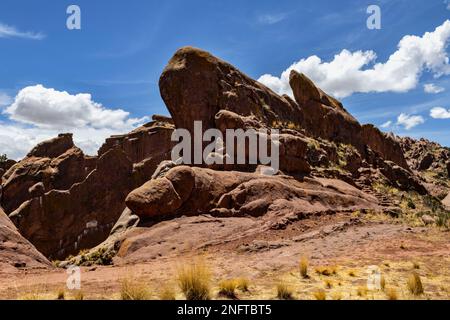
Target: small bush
[(284, 292), (227, 288), (194, 281), (133, 290), (304, 268), (411, 204), (415, 284), (320, 295), (352, 273)]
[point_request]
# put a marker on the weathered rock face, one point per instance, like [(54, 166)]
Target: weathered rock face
[(325, 117), (197, 86), (5, 165), (60, 223), (425, 155), (146, 147), (193, 191), (54, 164), (62, 213), (15, 250), (401, 178), (430, 163)]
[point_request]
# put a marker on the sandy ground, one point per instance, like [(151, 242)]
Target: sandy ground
[(347, 244)]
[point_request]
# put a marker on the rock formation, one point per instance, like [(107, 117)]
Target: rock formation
[(16, 251), (63, 201)]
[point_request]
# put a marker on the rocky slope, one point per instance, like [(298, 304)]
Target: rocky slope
[(115, 203)]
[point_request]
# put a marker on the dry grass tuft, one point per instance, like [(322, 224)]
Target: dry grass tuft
[(133, 290), (326, 271), (382, 283), (284, 292), (328, 284), (227, 288), (167, 293), (415, 284), (337, 296), (194, 281), (79, 295), (361, 291), (243, 284), (61, 294), (320, 294), (304, 268), (391, 294)]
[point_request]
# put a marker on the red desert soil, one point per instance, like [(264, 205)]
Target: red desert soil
[(343, 240)]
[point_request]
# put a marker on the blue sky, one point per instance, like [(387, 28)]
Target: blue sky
[(118, 55)]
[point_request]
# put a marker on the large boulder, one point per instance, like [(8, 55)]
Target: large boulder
[(195, 86), (194, 191), (15, 250), (401, 178)]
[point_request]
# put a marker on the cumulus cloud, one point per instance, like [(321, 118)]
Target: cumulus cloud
[(52, 109), (11, 32), (409, 121), (432, 88), (440, 113), (38, 113), (351, 72)]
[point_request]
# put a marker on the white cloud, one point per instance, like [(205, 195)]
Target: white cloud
[(409, 121), (351, 72), (38, 113), (432, 88), (440, 113), (271, 19), (386, 125), (52, 109), (5, 99), (11, 32)]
